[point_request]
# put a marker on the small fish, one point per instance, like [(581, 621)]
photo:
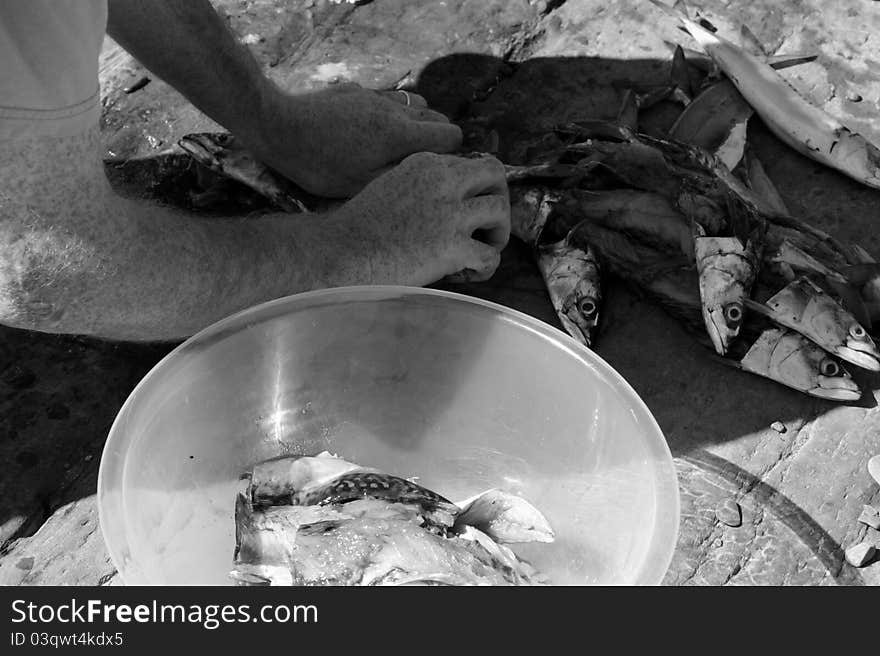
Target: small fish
[(727, 268), (221, 153), (572, 275), (803, 306), (568, 266), (789, 358), (793, 119)]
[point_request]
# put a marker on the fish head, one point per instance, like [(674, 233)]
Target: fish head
[(582, 312), (723, 323), (860, 348), (726, 268), (789, 358), (571, 273)]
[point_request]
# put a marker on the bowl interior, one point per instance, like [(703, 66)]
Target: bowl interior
[(461, 393)]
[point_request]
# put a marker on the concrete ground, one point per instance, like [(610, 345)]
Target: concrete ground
[(518, 68)]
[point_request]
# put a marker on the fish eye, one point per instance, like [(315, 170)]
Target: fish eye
[(587, 308), (733, 313), (857, 332), (829, 368)]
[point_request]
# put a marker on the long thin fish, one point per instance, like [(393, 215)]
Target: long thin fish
[(794, 120)]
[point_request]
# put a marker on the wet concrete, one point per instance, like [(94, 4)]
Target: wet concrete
[(516, 68)]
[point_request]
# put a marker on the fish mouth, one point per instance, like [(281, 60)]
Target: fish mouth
[(579, 330), (719, 331), (866, 358), (836, 388)]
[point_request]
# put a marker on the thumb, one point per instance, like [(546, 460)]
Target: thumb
[(480, 261)]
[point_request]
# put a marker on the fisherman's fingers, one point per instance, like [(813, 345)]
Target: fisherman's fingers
[(486, 219), (479, 262)]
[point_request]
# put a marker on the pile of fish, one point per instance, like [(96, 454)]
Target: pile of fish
[(320, 520), (689, 218)]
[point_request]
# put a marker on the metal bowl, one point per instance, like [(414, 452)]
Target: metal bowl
[(462, 393)]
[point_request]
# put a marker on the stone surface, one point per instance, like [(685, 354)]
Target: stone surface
[(860, 554), (870, 517), (778, 426), (729, 513), (515, 68)]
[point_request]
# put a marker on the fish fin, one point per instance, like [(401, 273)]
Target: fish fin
[(859, 274), (786, 61), (678, 10), (760, 308), (679, 73), (628, 113), (726, 361), (754, 42)]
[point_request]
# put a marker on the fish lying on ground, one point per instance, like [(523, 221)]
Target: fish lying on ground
[(782, 355), (803, 306), (319, 520), (792, 118), (568, 265)]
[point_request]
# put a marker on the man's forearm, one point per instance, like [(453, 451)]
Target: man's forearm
[(77, 258), (187, 44)]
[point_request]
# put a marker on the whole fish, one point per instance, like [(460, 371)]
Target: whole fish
[(320, 520), (568, 265), (793, 119), (221, 153), (803, 306)]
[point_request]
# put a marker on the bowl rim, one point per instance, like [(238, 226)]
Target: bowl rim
[(383, 292)]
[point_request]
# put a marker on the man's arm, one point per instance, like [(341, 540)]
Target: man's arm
[(77, 258), (332, 142)]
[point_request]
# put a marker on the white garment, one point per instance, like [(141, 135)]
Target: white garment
[(49, 52)]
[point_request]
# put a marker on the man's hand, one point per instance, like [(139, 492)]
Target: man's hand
[(432, 216), (334, 141), (331, 142)]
